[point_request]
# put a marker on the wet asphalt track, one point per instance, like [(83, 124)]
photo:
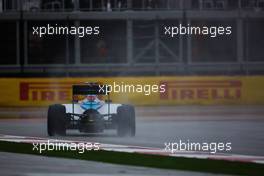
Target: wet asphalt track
[(243, 126), (21, 165)]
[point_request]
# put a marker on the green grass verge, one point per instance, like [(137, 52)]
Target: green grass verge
[(163, 162)]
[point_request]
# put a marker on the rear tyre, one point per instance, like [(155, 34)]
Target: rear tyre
[(56, 120), (126, 122)]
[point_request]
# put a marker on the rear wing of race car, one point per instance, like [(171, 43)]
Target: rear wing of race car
[(90, 89)]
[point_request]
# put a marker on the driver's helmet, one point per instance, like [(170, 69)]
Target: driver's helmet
[(91, 98)]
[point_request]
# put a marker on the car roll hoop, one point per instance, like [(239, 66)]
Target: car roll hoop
[(90, 88)]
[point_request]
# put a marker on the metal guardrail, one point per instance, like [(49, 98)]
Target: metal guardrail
[(251, 68)]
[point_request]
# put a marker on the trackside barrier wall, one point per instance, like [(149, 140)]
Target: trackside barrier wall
[(209, 90)]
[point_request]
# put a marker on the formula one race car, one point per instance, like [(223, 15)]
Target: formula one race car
[(90, 114)]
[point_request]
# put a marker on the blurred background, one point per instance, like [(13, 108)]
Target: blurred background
[(131, 40)]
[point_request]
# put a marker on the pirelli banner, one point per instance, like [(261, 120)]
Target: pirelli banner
[(137, 90)]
